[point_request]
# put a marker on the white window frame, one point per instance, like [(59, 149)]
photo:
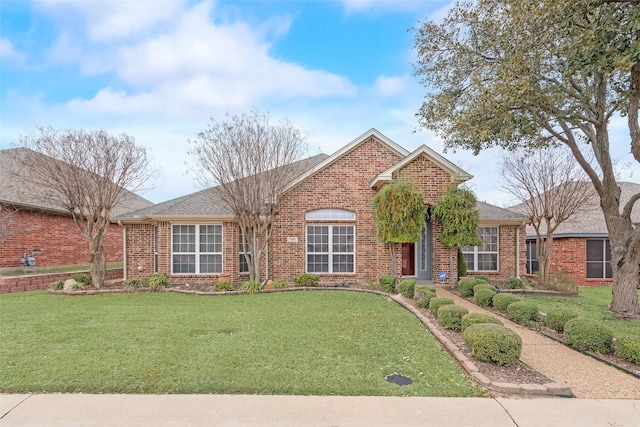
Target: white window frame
[(339, 218), (330, 214), (478, 250), (605, 242), (197, 253)]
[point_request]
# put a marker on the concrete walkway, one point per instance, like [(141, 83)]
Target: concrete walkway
[(587, 377), (241, 410)]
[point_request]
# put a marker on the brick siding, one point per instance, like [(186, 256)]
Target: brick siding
[(569, 257), (33, 282)]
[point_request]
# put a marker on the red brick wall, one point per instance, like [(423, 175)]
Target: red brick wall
[(569, 256), (59, 238), (31, 282)]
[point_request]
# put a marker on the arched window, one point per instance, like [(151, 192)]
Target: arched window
[(331, 215)]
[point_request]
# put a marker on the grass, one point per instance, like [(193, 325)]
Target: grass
[(305, 343), (87, 267), (593, 303)]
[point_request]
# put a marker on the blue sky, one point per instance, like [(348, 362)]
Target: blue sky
[(158, 70)]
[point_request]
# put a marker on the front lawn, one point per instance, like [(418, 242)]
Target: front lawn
[(307, 343), (593, 303)]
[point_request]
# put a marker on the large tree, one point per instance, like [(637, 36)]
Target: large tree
[(88, 173), (251, 161), (515, 73), (400, 215), (551, 188)]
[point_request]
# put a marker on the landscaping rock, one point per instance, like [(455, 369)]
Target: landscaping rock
[(69, 285)]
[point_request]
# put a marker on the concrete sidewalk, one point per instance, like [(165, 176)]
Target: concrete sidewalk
[(245, 410)]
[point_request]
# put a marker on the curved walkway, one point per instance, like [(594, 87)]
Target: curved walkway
[(588, 378)]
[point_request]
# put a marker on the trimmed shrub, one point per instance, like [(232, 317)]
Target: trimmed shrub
[(482, 279), (586, 334), (513, 283), (522, 312), (251, 286), (156, 281), (428, 288), (423, 298), (388, 283), (466, 287), (493, 343), (407, 287), (223, 287), (82, 278), (556, 318), (437, 302), (478, 318), (483, 297), (307, 279), (278, 285), (482, 285), (628, 349), (501, 301), (450, 316)]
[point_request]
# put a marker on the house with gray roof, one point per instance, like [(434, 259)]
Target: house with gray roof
[(325, 225)]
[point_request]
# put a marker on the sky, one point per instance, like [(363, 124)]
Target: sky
[(159, 70)]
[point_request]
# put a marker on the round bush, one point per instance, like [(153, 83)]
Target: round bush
[(493, 343), (428, 288), (513, 283), (588, 335), (628, 349), (480, 285), (466, 287), (558, 317), (407, 287), (450, 316), (522, 312), (483, 297), (437, 302), (502, 300), (482, 279), (423, 297), (478, 318)]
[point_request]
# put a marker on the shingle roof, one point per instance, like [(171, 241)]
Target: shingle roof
[(18, 193), (494, 213)]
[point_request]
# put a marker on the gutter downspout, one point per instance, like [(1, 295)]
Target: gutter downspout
[(124, 250)]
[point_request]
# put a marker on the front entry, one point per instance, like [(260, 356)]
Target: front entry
[(408, 259), (416, 257)]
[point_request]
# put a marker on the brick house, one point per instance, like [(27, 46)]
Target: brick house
[(325, 225), (29, 221), (580, 248)]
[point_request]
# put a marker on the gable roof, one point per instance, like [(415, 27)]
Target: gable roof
[(200, 205), (457, 174), (493, 214), (590, 222), (22, 195)]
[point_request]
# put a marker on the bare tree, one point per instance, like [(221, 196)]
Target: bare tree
[(6, 221), (251, 161), (86, 173), (552, 187)]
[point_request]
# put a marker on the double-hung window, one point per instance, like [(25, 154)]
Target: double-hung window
[(330, 247), (532, 257), (599, 259), (196, 249), (243, 265), (485, 257)]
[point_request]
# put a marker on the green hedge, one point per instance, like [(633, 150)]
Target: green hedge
[(437, 302), (513, 283), (156, 281), (493, 343), (223, 287), (628, 349), (422, 296), (307, 279), (450, 316), (387, 283), (522, 312), (478, 318), (588, 335), (502, 300), (466, 287), (556, 318), (407, 287), (481, 285), (482, 279), (483, 296), (426, 288)]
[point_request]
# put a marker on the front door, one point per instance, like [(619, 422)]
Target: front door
[(408, 259)]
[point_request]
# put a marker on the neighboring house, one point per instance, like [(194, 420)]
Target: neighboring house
[(325, 225), (580, 248), (31, 222)]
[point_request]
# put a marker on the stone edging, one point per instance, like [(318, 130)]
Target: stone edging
[(548, 389)]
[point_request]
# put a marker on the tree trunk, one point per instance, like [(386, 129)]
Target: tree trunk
[(625, 265), (392, 252), (451, 275)]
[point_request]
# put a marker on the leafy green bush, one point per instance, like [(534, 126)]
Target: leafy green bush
[(556, 318), (307, 279), (82, 278), (462, 264), (156, 281), (559, 282), (588, 335), (483, 296), (522, 312), (223, 287), (466, 287), (502, 300), (482, 285), (425, 288), (387, 283), (422, 297), (436, 302), (450, 316), (278, 284), (478, 318), (513, 283), (58, 286), (628, 349), (493, 343), (407, 287), (133, 283), (251, 286), (482, 279)]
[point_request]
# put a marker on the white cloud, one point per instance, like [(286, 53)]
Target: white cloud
[(360, 6), (8, 52), (390, 86)]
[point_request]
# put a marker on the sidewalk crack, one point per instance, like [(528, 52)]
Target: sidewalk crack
[(15, 406), (506, 411)]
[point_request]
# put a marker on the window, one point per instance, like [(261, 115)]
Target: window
[(599, 259), (332, 214), (196, 249), (485, 257), (155, 249), (243, 265), (330, 249), (532, 259)]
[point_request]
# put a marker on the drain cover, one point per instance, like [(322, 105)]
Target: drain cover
[(399, 380)]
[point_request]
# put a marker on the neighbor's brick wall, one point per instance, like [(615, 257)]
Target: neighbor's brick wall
[(57, 235), (569, 256), (43, 281)]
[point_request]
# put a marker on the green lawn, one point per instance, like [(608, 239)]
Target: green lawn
[(593, 303), (307, 343)]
